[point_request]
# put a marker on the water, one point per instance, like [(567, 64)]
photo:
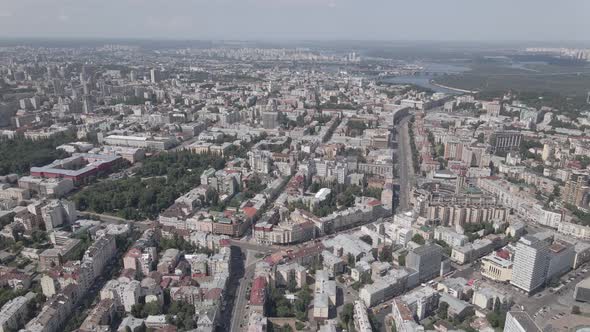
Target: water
[(423, 80)]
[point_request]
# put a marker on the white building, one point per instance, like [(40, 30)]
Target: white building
[(530, 263), (361, 318)]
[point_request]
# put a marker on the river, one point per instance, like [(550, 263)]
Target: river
[(423, 80)]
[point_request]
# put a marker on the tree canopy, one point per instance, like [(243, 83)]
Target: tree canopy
[(20, 154), (154, 187)]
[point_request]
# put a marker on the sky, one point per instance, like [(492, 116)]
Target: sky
[(469, 20)]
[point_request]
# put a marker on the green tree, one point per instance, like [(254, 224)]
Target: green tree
[(347, 314), (351, 260), (418, 239), (299, 326), (20, 154), (442, 311), (386, 255), (481, 138), (367, 239)]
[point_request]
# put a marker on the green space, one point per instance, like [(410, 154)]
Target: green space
[(157, 183), (278, 305), (20, 154)]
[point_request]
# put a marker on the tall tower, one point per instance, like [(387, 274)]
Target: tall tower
[(530, 263), (155, 75)]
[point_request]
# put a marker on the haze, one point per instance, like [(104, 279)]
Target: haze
[(544, 20)]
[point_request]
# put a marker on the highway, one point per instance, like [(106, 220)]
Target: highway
[(406, 168)]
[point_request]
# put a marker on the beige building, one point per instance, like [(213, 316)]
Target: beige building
[(14, 312), (496, 268), (576, 188), (288, 273)]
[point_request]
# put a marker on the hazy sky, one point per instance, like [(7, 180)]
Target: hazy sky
[(299, 19)]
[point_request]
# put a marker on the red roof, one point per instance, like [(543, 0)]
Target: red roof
[(258, 291), (133, 252), (213, 294), (165, 283), (576, 164), (374, 202), (502, 253), (250, 212)]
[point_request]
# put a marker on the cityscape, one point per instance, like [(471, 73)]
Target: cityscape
[(257, 186)]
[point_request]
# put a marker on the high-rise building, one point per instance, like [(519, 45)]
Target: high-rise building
[(155, 75), (561, 259), (35, 102), (505, 140), (25, 104), (270, 120), (530, 263), (425, 260), (57, 87), (576, 189), (520, 321)]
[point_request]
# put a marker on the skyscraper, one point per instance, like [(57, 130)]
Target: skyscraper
[(530, 263), (576, 188), (155, 75)]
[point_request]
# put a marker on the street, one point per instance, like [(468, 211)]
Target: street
[(239, 318), (406, 169)]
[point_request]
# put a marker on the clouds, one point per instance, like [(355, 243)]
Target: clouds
[(299, 19)]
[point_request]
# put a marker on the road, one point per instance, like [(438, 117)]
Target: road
[(239, 318), (110, 219), (406, 169), (263, 249), (554, 302)]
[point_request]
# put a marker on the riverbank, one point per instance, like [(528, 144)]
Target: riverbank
[(433, 82)]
